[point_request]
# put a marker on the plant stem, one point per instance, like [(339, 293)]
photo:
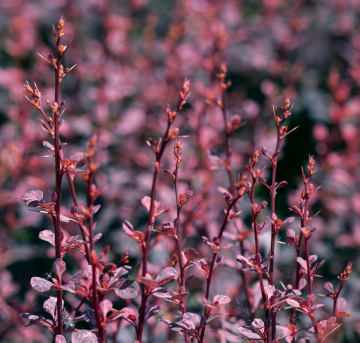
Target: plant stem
[(273, 227), (58, 180), (208, 281), (178, 239), (102, 337), (258, 269), (178, 242), (145, 250), (273, 197), (73, 194)]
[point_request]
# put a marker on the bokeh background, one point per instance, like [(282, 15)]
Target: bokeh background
[(131, 60)]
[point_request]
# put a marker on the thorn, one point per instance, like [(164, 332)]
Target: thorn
[(44, 58), (291, 130)]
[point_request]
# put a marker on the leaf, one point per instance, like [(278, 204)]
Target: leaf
[(292, 303), (191, 254), (34, 319), (166, 275), (83, 336), (41, 285), (302, 263), (80, 163), (243, 259), (221, 299), (129, 230), (48, 236), (48, 146), (329, 287), (60, 339), (281, 184), (312, 258), (77, 156), (341, 304), (146, 202), (161, 292), (65, 219), (58, 267), (33, 198), (95, 209), (246, 332), (152, 312), (128, 290), (105, 306), (97, 237), (123, 272), (286, 223), (257, 323), (49, 306)]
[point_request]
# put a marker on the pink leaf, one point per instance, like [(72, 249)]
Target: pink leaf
[(60, 339), (41, 285), (105, 306), (58, 267), (83, 336), (329, 287), (302, 263), (146, 201), (248, 333), (48, 236), (95, 209), (128, 290), (221, 299), (33, 198), (50, 306), (292, 303)]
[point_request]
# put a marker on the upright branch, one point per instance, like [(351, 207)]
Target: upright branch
[(92, 194), (282, 132), (230, 127), (257, 262), (344, 277), (180, 200), (52, 126), (158, 147), (304, 267)]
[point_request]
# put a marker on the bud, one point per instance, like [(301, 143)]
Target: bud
[(216, 240), (178, 151), (286, 103), (29, 89), (62, 49)]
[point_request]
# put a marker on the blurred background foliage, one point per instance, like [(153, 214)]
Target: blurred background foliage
[(131, 59)]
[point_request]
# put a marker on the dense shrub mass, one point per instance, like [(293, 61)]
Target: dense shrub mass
[(193, 167)]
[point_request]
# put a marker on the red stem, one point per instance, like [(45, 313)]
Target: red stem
[(73, 194), (102, 337), (58, 180), (178, 239), (273, 227), (145, 250), (208, 282), (178, 244), (258, 269)]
